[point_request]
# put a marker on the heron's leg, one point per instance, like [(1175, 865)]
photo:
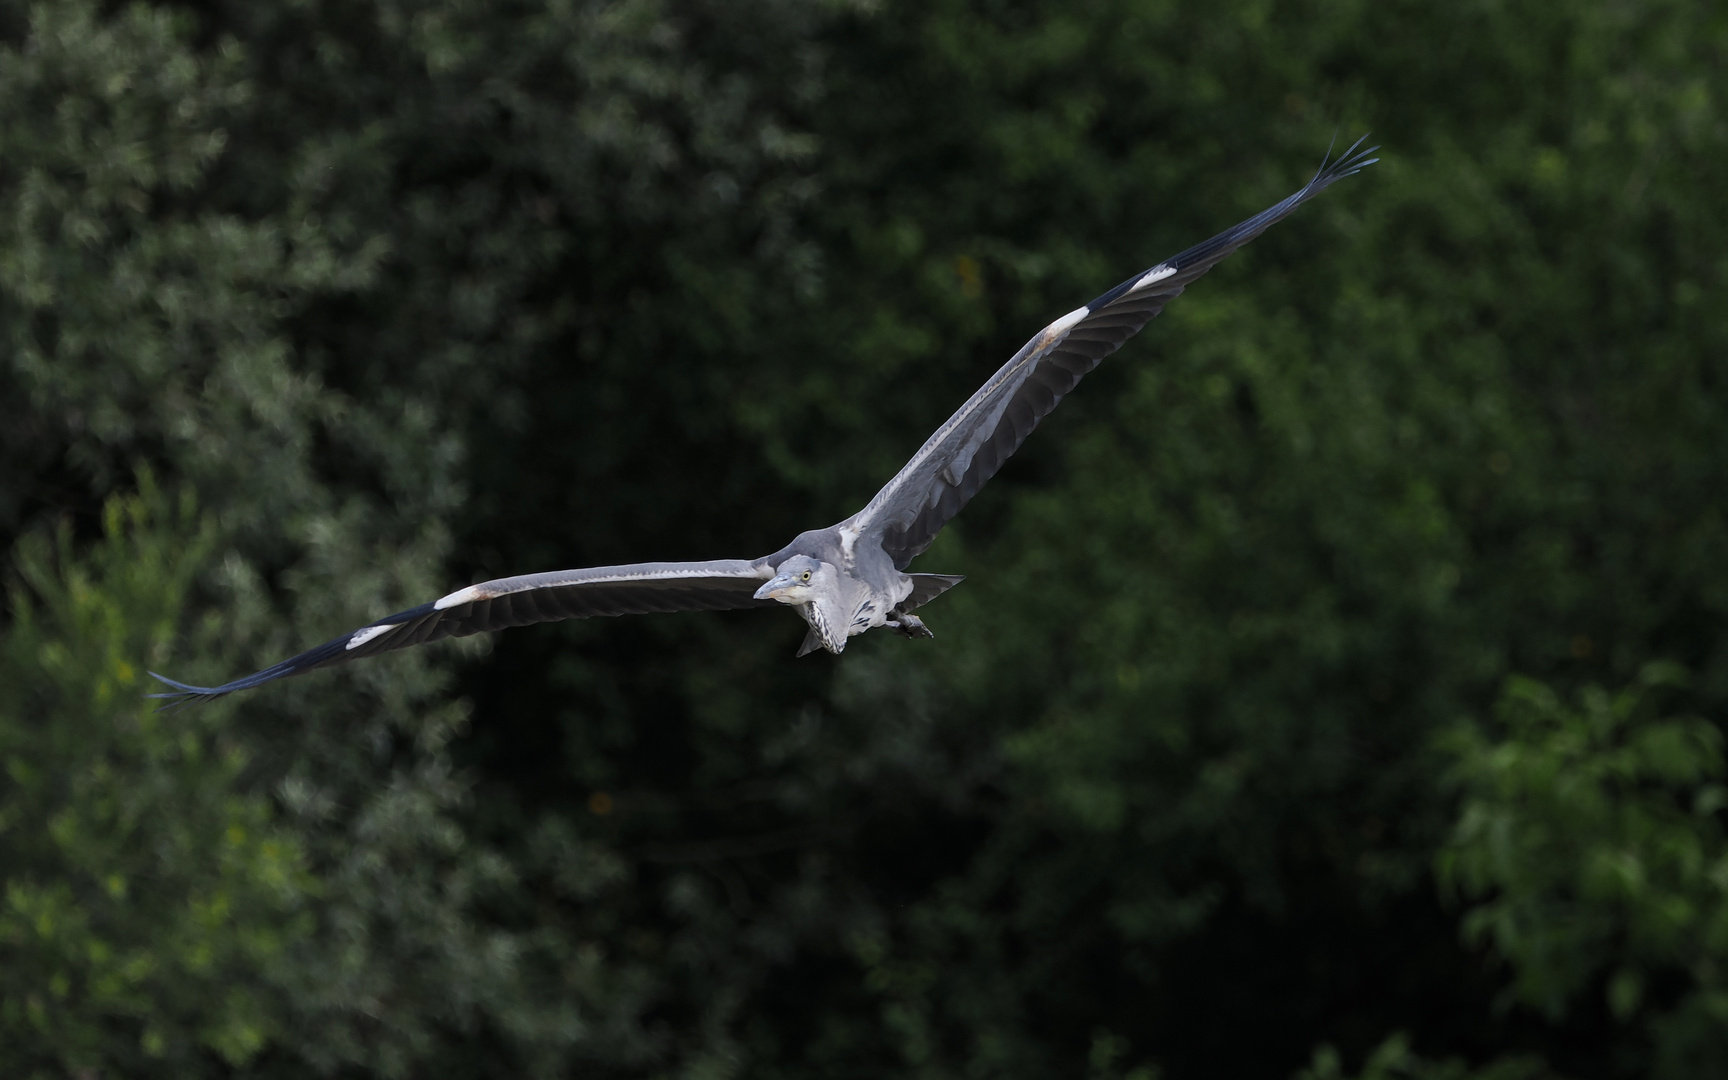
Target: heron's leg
[(908, 625)]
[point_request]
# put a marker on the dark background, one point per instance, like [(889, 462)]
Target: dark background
[(1337, 683)]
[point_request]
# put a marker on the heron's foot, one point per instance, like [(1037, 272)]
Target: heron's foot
[(907, 625)]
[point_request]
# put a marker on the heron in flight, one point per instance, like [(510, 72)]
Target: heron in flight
[(850, 577)]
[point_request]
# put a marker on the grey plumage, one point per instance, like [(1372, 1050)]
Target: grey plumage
[(850, 577)]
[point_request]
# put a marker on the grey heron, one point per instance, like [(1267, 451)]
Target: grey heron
[(849, 577)]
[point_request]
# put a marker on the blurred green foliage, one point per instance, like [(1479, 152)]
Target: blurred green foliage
[(149, 897), (1593, 836), (1394, 1060), (1260, 738)]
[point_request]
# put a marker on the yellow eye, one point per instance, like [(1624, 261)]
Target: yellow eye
[(805, 576)]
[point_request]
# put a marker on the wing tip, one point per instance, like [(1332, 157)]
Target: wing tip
[(1349, 163), (185, 693), (182, 693)]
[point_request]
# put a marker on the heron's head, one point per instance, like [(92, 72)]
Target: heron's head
[(794, 582)]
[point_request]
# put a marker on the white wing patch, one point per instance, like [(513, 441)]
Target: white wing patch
[(1060, 326), (460, 596), (1157, 273), (361, 637)]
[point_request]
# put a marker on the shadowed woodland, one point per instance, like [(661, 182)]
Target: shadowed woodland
[(1338, 685)]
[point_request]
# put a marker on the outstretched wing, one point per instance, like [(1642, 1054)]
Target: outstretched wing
[(966, 451), (519, 601)]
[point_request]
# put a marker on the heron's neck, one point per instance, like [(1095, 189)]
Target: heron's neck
[(827, 620)]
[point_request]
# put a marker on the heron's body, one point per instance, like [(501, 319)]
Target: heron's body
[(850, 577), (854, 586)]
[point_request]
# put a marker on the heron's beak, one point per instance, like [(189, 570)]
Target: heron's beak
[(775, 589)]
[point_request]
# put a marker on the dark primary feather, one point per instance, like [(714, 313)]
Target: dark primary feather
[(972, 445), (522, 601)]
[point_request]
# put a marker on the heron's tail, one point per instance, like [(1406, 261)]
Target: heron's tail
[(927, 587), (812, 642)]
